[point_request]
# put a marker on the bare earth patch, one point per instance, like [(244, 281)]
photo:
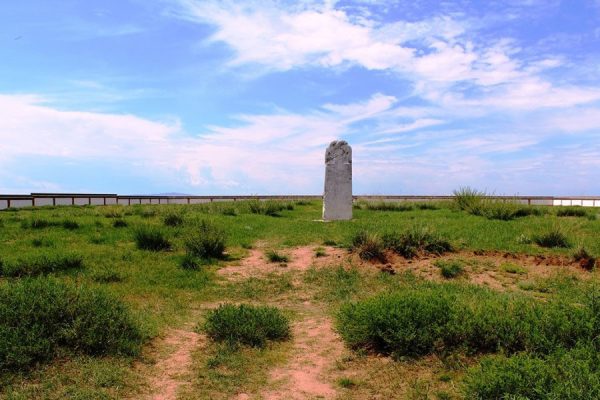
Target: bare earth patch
[(170, 372), (301, 258), (316, 347)]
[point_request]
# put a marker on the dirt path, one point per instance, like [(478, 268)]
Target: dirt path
[(170, 372), (316, 347)]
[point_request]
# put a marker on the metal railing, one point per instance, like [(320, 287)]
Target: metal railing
[(80, 199)]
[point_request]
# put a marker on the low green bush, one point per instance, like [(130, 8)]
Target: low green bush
[(565, 375), (247, 325), (205, 240), (416, 241), (552, 238), (151, 238), (450, 268), (41, 265), (173, 219), (269, 207), (368, 246), (37, 223), (469, 200), (439, 317), (70, 224), (120, 223), (39, 316), (189, 262), (571, 212)]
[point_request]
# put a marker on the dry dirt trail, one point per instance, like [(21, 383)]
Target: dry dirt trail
[(316, 348), (171, 371)]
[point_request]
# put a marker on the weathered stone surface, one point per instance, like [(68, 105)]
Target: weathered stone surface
[(337, 197)]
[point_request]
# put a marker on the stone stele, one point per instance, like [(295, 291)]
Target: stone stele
[(337, 197)]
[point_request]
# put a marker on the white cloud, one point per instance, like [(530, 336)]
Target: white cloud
[(261, 150), (439, 55)]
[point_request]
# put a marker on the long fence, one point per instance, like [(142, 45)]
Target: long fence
[(81, 199)]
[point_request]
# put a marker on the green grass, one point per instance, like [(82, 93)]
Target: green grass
[(246, 325), (40, 316), (42, 264), (154, 286), (442, 317)]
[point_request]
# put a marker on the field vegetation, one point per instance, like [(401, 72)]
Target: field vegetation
[(465, 299)]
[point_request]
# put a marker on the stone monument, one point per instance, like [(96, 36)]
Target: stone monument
[(337, 197)]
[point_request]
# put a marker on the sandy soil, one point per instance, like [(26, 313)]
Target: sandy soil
[(316, 347), (301, 258), (169, 372)]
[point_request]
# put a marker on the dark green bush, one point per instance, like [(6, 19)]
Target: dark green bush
[(416, 241), (41, 265), (552, 238), (205, 240), (565, 375), (269, 207), (37, 223), (42, 242), (444, 316), (151, 238), (39, 316), (173, 219), (368, 246), (247, 325), (69, 224), (119, 223), (571, 212), (189, 262)]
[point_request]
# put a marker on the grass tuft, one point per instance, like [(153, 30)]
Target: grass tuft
[(450, 268), (247, 325), (369, 246), (148, 237), (553, 238), (205, 240), (275, 257), (173, 219)]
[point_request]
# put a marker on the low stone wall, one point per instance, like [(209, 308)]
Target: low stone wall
[(79, 199)]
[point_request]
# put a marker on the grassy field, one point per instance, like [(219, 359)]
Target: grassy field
[(120, 302)]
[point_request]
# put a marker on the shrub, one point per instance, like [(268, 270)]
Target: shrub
[(173, 219), (585, 259), (552, 238), (42, 265), (469, 200), (42, 242), (569, 375), (417, 240), (106, 276), (119, 223), (247, 325), (189, 262), (320, 252), (571, 212), (40, 316), (37, 223), (151, 238), (231, 211), (276, 257), (384, 206), (437, 318), (269, 207), (368, 246), (70, 224), (451, 268), (205, 240)]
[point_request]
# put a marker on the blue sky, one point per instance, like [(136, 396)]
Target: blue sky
[(232, 97)]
